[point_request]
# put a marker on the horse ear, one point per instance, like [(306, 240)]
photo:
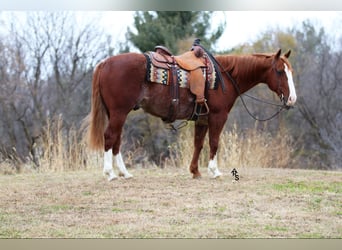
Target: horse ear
[(277, 56), (287, 54)]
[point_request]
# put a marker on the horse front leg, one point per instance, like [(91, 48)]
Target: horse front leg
[(216, 124), (200, 132)]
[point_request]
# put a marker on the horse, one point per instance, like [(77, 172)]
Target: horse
[(120, 85)]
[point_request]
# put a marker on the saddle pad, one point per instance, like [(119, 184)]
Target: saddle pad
[(163, 76)]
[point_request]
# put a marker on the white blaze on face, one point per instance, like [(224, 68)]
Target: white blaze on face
[(292, 96)]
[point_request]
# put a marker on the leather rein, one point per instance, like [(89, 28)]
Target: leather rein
[(235, 85)]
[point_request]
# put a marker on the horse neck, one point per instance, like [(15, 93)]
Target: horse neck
[(246, 70)]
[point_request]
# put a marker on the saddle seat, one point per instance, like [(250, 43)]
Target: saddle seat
[(162, 57), (192, 61)]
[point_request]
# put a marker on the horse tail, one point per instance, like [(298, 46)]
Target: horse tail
[(97, 119)]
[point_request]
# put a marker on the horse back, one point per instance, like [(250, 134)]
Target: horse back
[(123, 64), (121, 79)]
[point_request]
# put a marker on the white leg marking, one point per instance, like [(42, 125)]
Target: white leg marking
[(107, 165), (292, 96), (121, 165), (213, 169)]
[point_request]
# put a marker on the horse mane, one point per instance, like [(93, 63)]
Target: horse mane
[(268, 55), (241, 65)]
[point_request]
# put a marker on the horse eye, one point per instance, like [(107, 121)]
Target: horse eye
[(280, 71)]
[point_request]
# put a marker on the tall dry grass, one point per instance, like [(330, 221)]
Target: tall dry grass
[(64, 150), (253, 148), (57, 149), (256, 148)]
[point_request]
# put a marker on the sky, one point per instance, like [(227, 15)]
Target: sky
[(246, 26), (241, 26)]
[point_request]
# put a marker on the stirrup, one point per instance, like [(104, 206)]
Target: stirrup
[(200, 113)]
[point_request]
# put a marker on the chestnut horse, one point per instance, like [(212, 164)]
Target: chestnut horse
[(119, 86)]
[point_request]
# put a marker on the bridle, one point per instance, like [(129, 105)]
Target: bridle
[(235, 85), (218, 67), (281, 96)]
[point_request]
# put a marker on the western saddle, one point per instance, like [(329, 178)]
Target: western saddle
[(192, 61)]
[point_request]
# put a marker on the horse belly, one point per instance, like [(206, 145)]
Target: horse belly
[(156, 100)]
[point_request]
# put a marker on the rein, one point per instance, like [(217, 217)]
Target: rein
[(217, 65), (282, 107)]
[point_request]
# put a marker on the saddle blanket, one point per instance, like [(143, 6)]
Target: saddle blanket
[(163, 76)]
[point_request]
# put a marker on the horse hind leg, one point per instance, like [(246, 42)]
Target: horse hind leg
[(112, 147), (122, 167), (107, 165)]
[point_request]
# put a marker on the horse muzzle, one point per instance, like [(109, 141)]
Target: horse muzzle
[(287, 102)]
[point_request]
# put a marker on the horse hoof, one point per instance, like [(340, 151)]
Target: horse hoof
[(214, 173), (111, 178), (110, 175), (196, 176), (128, 176), (217, 174)]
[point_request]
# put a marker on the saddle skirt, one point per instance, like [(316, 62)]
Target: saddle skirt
[(189, 67)]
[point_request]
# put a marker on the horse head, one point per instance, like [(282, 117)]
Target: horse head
[(280, 78)]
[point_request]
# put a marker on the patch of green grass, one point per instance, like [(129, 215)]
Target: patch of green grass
[(61, 207), (117, 210), (2, 216), (55, 208), (221, 209), (311, 236), (316, 203), (312, 187), (58, 233), (10, 233), (145, 210), (275, 228), (87, 193)]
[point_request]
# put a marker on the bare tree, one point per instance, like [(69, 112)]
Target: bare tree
[(319, 105), (46, 68), (316, 121)]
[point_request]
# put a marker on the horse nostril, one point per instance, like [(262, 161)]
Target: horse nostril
[(291, 100)]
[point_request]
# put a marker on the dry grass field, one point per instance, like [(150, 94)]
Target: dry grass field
[(168, 203)]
